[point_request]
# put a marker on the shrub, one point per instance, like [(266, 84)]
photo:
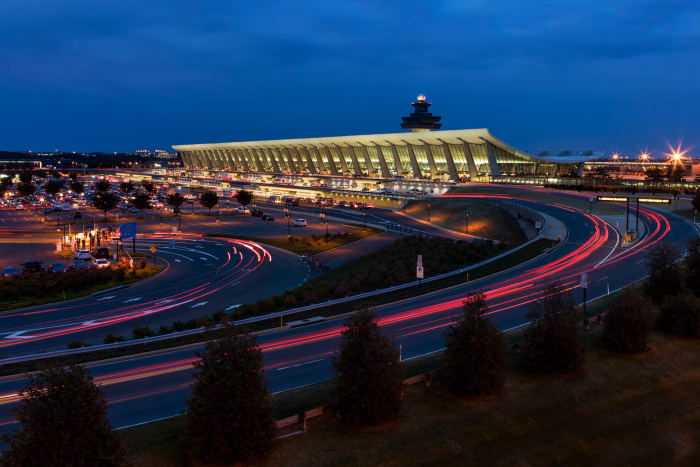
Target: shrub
[(110, 339), (369, 375), (551, 342), (141, 332), (664, 273), (475, 352), (230, 418), (680, 315), (76, 344), (164, 330), (628, 323)]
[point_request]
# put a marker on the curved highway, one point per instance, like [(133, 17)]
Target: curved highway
[(149, 387), (200, 276)]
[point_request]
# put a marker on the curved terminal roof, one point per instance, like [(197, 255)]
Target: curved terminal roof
[(474, 136)]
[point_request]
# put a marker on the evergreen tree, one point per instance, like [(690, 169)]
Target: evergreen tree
[(25, 176), (229, 418), (551, 342), (475, 354), (175, 200), (126, 187), (628, 323), (369, 375), (53, 187), (77, 187), (664, 273), (62, 421)]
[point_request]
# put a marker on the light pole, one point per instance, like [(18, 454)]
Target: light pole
[(466, 222), (326, 233), (364, 219), (217, 213), (161, 215), (428, 210), (289, 230), (179, 212)]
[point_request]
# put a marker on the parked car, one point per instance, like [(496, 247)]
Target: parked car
[(101, 263), (57, 267), (256, 213), (133, 210), (80, 264), (102, 252), (242, 210), (10, 271), (83, 255), (19, 207), (32, 267), (267, 217), (299, 222)]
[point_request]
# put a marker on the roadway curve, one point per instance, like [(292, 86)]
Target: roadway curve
[(201, 275), (148, 387)]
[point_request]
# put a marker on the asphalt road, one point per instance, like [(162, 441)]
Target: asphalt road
[(200, 276), (144, 388)]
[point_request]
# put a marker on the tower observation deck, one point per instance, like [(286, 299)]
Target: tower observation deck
[(421, 119)]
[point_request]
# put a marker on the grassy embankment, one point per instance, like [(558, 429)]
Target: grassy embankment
[(619, 410), (131, 275), (301, 244), (486, 219)]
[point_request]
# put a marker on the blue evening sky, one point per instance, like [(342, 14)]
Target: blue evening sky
[(106, 75)]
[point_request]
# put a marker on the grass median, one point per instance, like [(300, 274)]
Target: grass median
[(619, 410)]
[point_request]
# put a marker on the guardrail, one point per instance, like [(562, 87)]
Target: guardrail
[(254, 319)]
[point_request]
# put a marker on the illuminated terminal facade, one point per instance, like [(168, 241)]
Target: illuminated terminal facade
[(419, 154)]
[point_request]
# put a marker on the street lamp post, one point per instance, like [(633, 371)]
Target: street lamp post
[(58, 221), (428, 210), (178, 220), (636, 222), (289, 230), (217, 213), (364, 220), (161, 215), (466, 222), (326, 233)]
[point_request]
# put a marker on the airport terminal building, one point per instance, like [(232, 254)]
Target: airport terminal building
[(420, 154)]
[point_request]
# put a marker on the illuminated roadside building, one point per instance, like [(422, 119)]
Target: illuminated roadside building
[(420, 154)]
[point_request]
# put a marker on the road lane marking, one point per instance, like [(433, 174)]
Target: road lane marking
[(164, 301), (300, 364), (105, 298), (199, 304), (178, 260), (232, 307), (133, 299)]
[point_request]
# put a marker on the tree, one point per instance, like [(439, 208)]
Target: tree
[(62, 421), (664, 273), (53, 187), (73, 176), (369, 375), (26, 189), (244, 197), (680, 315), (551, 342), (148, 186), (77, 187), (676, 174), (691, 265), (126, 187), (102, 185), (175, 200), (105, 202), (229, 419), (628, 323), (654, 174), (209, 199), (25, 176), (41, 174), (141, 201), (475, 358), (696, 200)]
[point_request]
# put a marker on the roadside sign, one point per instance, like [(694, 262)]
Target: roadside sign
[(584, 280), (127, 230), (153, 249), (419, 267)]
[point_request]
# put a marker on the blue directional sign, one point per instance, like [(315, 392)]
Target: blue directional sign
[(127, 230)]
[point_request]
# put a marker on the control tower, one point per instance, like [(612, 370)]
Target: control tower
[(421, 119)]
